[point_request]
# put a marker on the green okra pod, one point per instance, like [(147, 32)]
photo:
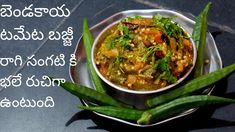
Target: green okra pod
[(180, 105), (122, 113), (88, 42), (199, 36), (91, 95), (192, 86)]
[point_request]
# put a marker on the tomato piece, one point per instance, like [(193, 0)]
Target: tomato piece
[(187, 45), (104, 68), (158, 38)]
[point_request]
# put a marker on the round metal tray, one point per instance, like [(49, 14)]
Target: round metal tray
[(79, 73)]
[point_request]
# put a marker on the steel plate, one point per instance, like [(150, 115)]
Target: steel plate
[(79, 73)]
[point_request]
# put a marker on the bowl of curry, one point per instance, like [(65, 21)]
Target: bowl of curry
[(143, 55)]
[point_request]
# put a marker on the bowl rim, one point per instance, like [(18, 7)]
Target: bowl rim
[(123, 89)]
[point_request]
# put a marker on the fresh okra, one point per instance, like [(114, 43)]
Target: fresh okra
[(179, 105), (87, 42), (192, 86), (199, 36), (122, 113), (91, 94)]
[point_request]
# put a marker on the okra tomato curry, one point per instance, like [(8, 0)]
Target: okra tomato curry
[(144, 53)]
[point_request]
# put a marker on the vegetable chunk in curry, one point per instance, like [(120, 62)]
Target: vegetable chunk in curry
[(145, 53)]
